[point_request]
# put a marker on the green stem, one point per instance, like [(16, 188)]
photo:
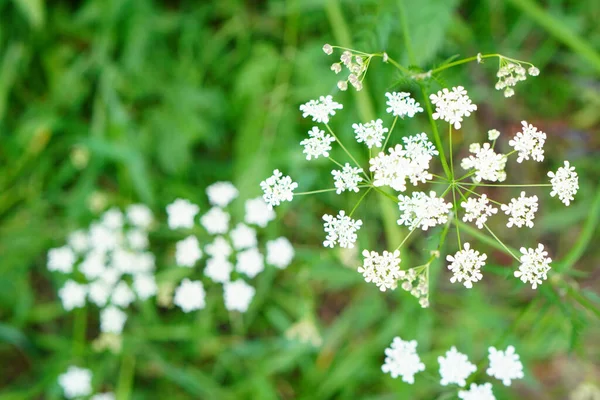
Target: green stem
[(494, 185), (79, 331), (501, 243), (436, 134), (390, 133), (456, 216), (459, 62), (126, 376), (346, 150), (315, 191), (359, 201)]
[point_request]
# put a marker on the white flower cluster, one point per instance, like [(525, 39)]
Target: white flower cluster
[(401, 359), (383, 270), (565, 183), (347, 179), (356, 64), (511, 73), (372, 133), (478, 209), (455, 368), (534, 267), (400, 104), (340, 230), (529, 143), (466, 265), (421, 210), (488, 164), (278, 188), (77, 382), (415, 281), (521, 210), (112, 248), (320, 110), (232, 254), (317, 144), (452, 106)]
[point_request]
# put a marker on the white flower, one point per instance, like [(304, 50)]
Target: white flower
[(533, 71), (318, 143), (477, 392), (145, 286), (529, 143), (258, 212), (139, 215), (187, 252), (401, 104), (401, 359), (61, 259), (278, 188), (493, 134), (215, 221), (347, 179), (422, 210), (320, 110), (72, 295), (190, 295), (243, 237), (78, 241), (509, 75), (238, 295), (452, 106), (219, 248), (112, 219), (99, 292), (372, 133), (279, 252), (341, 229), (137, 239), (221, 193), (112, 320), (327, 49), (103, 396), (521, 210), (465, 265), (122, 295), (103, 238), (383, 270), (218, 269), (455, 368), (565, 183), (181, 214), (505, 365), (337, 68), (488, 164), (478, 209), (76, 382), (250, 262), (534, 265)]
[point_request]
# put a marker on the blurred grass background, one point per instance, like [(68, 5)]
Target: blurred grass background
[(108, 102)]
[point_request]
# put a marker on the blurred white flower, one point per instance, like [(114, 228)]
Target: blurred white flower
[(187, 252), (455, 368), (72, 295), (99, 292), (243, 237), (535, 265), (477, 392), (103, 396), (112, 320), (280, 252), (181, 214), (237, 295), (145, 286), (529, 143), (221, 193), (139, 215), (112, 219), (190, 295), (137, 239), (258, 212), (218, 269), (122, 295), (219, 248), (215, 221), (76, 382), (78, 241), (250, 262), (278, 188), (565, 183), (61, 259), (401, 359), (505, 365)]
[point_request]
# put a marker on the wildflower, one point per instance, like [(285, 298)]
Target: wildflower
[(493, 134), (72, 295), (452, 106), (533, 71), (145, 286), (455, 368), (400, 104), (243, 237), (529, 143), (477, 392), (509, 75), (279, 252), (139, 215), (327, 49), (188, 252), (422, 210), (478, 209), (505, 365), (215, 221), (488, 164), (250, 262), (402, 360), (337, 68), (304, 331), (181, 214), (78, 241), (190, 295), (340, 230), (347, 179), (220, 194), (99, 292), (121, 295), (112, 320), (372, 133), (258, 212), (219, 248), (112, 219), (383, 270), (278, 188), (137, 239), (318, 143), (218, 269), (465, 265), (534, 265), (521, 210), (320, 110), (76, 382), (103, 396), (416, 282), (61, 259), (479, 58), (238, 295), (565, 183)]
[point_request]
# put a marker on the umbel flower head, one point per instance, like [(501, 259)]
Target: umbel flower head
[(383, 270), (422, 210), (452, 105), (466, 265), (317, 144), (477, 392), (401, 359), (278, 188), (340, 230), (320, 110), (76, 382), (565, 183), (534, 266), (505, 365), (455, 368)]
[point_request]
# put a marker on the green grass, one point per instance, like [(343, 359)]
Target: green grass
[(162, 98)]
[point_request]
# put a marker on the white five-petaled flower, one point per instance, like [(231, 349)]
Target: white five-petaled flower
[(258, 212), (278, 188), (145, 286), (218, 269), (455, 367), (76, 382), (529, 143), (488, 164), (493, 134), (327, 49), (535, 265), (61, 259), (401, 359), (140, 215), (112, 320), (505, 365), (422, 210), (400, 104), (250, 262), (521, 210), (383, 270), (215, 221), (347, 179), (187, 252), (72, 295), (478, 209), (238, 295), (243, 237), (565, 183), (477, 392), (190, 295), (340, 230), (452, 106), (372, 133), (317, 144), (221, 193), (466, 265), (219, 248), (279, 252), (320, 110), (181, 214)]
